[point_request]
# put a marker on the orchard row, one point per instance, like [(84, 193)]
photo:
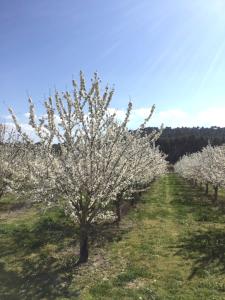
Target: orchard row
[(205, 167)]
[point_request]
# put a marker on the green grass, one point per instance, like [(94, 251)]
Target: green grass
[(36, 255), (171, 246), (9, 202)]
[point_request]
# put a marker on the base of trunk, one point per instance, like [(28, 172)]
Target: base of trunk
[(118, 210), (83, 245), (215, 194), (206, 189)]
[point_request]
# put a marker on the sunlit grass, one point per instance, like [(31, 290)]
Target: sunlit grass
[(171, 246)]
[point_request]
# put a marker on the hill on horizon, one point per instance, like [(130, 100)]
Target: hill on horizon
[(175, 142)]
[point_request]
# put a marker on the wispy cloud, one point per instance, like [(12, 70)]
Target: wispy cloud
[(214, 116)]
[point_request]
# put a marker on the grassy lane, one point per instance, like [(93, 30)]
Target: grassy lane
[(172, 246), (175, 250)]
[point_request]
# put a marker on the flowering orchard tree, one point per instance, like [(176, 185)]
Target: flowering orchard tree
[(189, 167), (213, 167), (95, 158), (9, 157), (207, 166), (145, 163), (37, 174)]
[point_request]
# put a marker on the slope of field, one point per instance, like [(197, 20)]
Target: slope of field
[(172, 246)]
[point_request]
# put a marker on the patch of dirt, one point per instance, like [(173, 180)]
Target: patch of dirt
[(11, 214), (137, 284)]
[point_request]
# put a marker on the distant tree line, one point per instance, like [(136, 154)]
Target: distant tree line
[(176, 142)]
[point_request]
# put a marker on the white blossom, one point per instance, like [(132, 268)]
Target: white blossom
[(206, 166), (96, 159)]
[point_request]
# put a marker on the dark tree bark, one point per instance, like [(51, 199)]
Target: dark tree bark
[(215, 193), (83, 243), (118, 208), (206, 188)]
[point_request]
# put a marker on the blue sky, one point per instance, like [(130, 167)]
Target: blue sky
[(170, 53)]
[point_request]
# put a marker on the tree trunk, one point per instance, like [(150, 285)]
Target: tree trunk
[(118, 208), (83, 244), (206, 188), (215, 193)]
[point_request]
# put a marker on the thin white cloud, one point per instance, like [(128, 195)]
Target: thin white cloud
[(24, 126), (120, 114), (214, 116), (137, 116), (7, 117)]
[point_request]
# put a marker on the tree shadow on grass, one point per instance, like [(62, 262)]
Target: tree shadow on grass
[(9, 280), (51, 228), (47, 277), (188, 199), (104, 233), (207, 249), (42, 278), (46, 252), (185, 200), (200, 209), (38, 263)]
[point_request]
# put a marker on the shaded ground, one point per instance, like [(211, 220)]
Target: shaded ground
[(172, 246)]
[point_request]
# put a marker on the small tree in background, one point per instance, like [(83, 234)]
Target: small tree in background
[(207, 166), (213, 167)]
